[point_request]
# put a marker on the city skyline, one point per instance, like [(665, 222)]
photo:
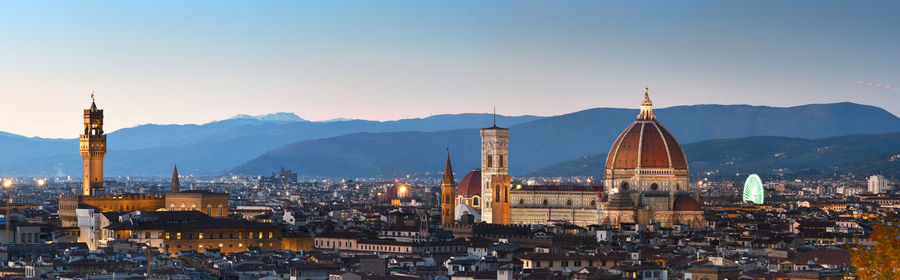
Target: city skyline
[(183, 63)]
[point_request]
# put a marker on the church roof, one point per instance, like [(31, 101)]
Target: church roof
[(471, 184), (646, 144)]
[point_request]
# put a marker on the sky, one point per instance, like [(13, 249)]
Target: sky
[(178, 62)]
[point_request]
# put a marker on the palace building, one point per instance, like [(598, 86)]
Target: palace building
[(92, 144), (645, 181)]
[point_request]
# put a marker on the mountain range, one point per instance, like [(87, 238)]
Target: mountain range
[(539, 143), (769, 156), (207, 149), (255, 145)]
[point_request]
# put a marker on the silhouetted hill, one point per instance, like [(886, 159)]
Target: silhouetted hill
[(860, 155), (546, 141)]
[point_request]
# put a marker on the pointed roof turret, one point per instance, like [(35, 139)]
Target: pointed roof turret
[(93, 103), (176, 184), (646, 107), (448, 172)]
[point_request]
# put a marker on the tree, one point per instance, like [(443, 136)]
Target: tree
[(881, 261)]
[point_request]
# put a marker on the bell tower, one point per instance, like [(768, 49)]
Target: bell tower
[(494, 165), (448, 194), (92, 145)]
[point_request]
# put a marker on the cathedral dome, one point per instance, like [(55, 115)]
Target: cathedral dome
[(685, 202), (646, 144), (471, 184)]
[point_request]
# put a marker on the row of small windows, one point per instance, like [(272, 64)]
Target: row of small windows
[(566, 263), (347, 244), (568, 202), (221, 245), (200, 235), (209, 209)]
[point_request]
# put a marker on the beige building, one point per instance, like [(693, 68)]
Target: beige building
[(544, 204)]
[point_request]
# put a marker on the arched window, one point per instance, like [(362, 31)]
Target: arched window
[(678, 186), (496, 194), (490, 161), (475, 201)]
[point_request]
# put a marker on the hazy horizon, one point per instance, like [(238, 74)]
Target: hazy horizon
[(174, 62)]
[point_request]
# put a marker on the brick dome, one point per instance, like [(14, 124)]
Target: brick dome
[(471, 184), (646, 144)]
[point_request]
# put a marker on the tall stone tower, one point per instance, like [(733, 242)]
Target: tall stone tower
[(92, 145), (494, 162), (448, 193)]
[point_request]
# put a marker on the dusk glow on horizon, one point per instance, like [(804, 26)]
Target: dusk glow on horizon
[(177, 62)]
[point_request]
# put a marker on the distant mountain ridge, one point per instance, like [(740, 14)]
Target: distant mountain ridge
[(259, 145), (769, 156), (275, 117), (205, 149), (540, 143)]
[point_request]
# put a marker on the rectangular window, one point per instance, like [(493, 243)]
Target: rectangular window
[(490, 161), (501, 161), (564, 264), (577, 263), (537, 264), (178, 236)]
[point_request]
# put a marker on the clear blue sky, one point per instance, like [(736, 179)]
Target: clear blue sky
[(198, 61)]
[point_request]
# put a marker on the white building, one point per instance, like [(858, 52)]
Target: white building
[(878, 184)]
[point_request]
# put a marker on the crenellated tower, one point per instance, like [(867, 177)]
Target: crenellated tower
[(448, 193), (494, 166), (92, 145)]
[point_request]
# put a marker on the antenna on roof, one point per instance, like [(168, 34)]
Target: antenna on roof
[(495, 116)]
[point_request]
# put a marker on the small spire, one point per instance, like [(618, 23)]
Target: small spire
[(646, 107), (93, 103), (495, 116), (448, 179), (176, 183)]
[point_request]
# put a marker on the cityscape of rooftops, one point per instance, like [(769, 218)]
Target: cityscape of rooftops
[(464, 140)]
